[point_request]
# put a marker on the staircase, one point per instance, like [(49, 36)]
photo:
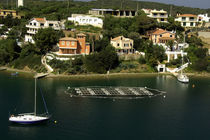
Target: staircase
[(178, 69), (48, 67)]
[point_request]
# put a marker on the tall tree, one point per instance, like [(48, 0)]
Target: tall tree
[(45, 39)]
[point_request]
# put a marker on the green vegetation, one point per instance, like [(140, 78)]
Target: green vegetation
[(9, 51), (46, 38), (103, 61), (68, 67)]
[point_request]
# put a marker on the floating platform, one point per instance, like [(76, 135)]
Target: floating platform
[(116, 92)]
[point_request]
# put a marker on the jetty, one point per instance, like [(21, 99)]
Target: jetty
[(3, 68), (41, 75), (116, 92)]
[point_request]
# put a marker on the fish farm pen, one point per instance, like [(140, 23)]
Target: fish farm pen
[(114, 92)]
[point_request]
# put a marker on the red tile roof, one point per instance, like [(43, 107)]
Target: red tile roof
[(40, 19), (187, 15)]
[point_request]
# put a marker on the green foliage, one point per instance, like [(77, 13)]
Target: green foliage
[(193, 40), (9, 21), (29, 49), (154, 54), (45, 39), (69, 25), (101, 44), (69, 67), (201, 64), (9, 51), (198, 57), (103, 61), (143, 23), (142, 60), (170, 43)]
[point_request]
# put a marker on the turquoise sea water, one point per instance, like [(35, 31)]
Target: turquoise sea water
[(183, 114)]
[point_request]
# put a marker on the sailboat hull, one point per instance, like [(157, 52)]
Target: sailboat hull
[(28, 119)]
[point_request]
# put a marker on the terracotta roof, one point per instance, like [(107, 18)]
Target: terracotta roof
[(159, 31), (68, 39), (40, 19), (117, 38), (187, 15)]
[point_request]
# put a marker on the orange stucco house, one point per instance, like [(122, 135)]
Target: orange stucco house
[(160, 36), (74, 46)]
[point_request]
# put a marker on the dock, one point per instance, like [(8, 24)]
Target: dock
[(113, 92), (3, 68), (41, 75)]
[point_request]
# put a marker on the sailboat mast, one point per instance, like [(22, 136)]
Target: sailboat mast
[(35, 99)]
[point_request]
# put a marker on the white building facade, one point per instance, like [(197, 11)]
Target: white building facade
[(159, 15), (80, 19), (20, 3), (203, 17), (36, 23), (187, 20)]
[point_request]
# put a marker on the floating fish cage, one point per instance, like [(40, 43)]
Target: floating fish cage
[(114, 92)]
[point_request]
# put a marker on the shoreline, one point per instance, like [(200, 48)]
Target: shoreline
[(92, 76)]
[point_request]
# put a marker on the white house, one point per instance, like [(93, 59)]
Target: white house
[(80, 19), (159, 15), (187, 20), (36, 23), (203, 17)]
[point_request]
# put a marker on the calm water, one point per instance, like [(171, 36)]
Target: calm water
[(183, 114)]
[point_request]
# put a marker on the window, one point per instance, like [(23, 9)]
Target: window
[(191, 24), (184, 23), (118, 44), (191, 18), (162, 19), (72, 43), (161, 35), (126, 45), (162, 14), (50, 25), (63, 42), (155, 14), (183, 18), (34, 24), (171, 35), (30, 23), (67, 43), (41, 24)]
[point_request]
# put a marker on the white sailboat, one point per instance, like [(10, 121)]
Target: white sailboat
[(183, 77), (30, 118)]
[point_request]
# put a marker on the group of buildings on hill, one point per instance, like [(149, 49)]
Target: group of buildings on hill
[(78, 45)]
